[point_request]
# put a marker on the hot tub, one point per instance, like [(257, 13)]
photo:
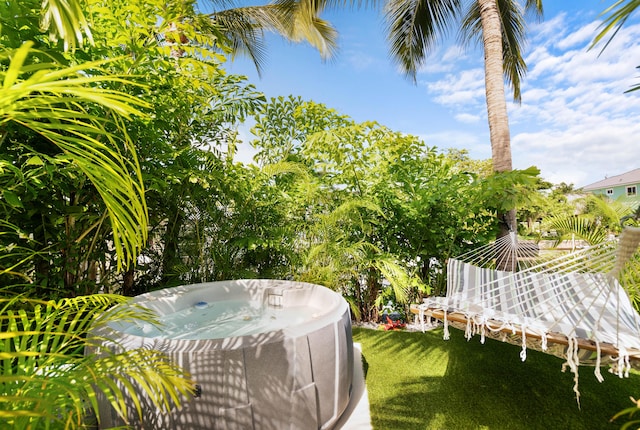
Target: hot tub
[(265, 354)]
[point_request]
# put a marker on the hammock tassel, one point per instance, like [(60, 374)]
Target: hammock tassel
[(479, 326), (421, 318), (523, 353), (573, 361), (446, 335), (598, 363), (622, 366)]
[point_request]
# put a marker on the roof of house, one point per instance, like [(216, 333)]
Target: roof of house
[(631, 177)]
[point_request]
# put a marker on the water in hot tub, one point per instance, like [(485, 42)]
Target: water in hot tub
[(218, 320)]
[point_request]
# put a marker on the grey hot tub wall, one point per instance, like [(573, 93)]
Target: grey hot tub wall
[(296, 378)]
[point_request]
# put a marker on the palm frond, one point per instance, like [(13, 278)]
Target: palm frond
[(53, 366), (14, 256), (350, 210), (618, 13), (535, 8), (55, 102), (630, 279), (297, 21), (583, 227), (245, 34), (355, 309), (610, 211), (397, 276), (413, 28), (64, 19)]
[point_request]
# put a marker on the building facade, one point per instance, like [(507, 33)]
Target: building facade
[(624, 187)]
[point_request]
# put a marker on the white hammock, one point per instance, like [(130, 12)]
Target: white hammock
[(574, 301)]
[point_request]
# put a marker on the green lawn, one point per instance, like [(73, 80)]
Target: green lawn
[(419, 381)]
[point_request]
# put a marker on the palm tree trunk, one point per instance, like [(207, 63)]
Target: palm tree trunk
[(494, 86), (496, 100)]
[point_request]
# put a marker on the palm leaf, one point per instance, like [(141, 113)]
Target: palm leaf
[(630, 279), (52, 366), (611, 212), (413, 28), (55, 102), (11, 251), (397, 276), (65, 19), (584, 227), (618, 13), (297, 21)]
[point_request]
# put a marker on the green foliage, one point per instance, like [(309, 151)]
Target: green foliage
[(54, 101), (600, 217), (284, 124), (628, 412), (585, 228), (507, 190), (48, 381), (78, 229), (630, 280), (547, 202), (65, 19), (60, 116), (369, 205), (464, 164)]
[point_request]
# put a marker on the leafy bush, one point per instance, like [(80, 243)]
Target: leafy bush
[(53, 368)]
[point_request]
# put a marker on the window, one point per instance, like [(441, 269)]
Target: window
[(610, 192), (631, 191)]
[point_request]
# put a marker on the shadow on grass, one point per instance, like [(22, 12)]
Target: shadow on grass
[(419, 381)]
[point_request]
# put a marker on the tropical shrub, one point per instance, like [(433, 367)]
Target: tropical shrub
[(376, 213), (62, 128), (53, 368)]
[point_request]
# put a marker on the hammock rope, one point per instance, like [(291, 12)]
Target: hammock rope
[(574, 300)]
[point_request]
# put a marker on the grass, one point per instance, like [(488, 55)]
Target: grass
[(419, 381)]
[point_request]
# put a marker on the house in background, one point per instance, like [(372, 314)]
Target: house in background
[(625, 187)]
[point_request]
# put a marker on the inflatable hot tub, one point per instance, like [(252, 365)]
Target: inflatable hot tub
[(265, 354)]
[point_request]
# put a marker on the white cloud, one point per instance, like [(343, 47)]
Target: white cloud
[(468, 118), (580, 154), (454, 53), (579, 37), (575, 121), (443, 60), (547, 30), (534, 94), (465, 88), (541, 63), (580, 64)]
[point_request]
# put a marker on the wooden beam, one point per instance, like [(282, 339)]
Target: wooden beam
[(553, 337)]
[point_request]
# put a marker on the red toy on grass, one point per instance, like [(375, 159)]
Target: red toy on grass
[(393, 325)]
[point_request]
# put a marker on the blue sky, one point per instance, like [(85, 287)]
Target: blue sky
[(575, 123)]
